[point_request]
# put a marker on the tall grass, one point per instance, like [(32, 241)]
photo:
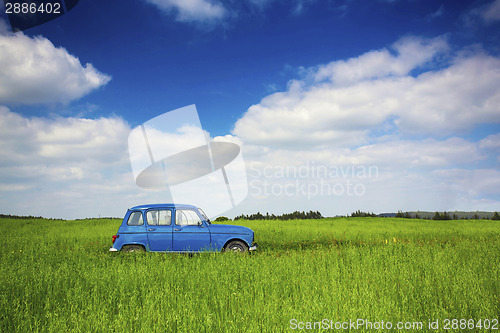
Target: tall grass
[(58, 276)]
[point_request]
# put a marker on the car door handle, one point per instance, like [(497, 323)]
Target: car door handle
[(177, 229), (151, 229)]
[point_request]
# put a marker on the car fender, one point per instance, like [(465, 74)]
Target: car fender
[(221, 234)]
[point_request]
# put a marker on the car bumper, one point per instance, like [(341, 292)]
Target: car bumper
[(112, 249), (253, 247)]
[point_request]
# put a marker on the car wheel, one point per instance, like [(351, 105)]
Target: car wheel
[(236, 246), (133, 248)]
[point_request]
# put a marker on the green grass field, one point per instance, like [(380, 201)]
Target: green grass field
[(58, 276)]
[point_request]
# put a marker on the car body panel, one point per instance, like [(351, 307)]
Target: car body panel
[(160, 238), (224, 233), (131, 234), (191, 238)]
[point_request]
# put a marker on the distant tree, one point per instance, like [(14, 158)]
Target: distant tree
[(359, 213), (241, 217), (221, 218), (495, 216), (257, 216), (443, 216)]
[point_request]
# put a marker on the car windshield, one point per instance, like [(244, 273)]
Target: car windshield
[(205, 217)]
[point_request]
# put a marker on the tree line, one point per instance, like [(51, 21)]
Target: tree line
[(283, 217), (359, 213), (18, 217), (432, 215), (441, 216)]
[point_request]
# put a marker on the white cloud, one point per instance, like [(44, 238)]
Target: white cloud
[(388, 176), (44, 73), (348, 101), (454, 99), (75, 167), (192, 10), (69, 167), (45, 163), (474, 183), (404, 56), (491, 142), (491, 145), (366, 112), (426, 153), (29, 141)]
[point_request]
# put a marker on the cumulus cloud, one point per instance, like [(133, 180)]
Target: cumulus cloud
[(63, 142), (192, 10), (491, 142), (474, 183), (404, 56), (44, 73), (401, 110), (68, 167), (345, 102), (395, 154), (424, 154), (58, 159), (387, 176), (391, 175)]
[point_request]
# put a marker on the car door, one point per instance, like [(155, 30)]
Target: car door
[(190, 233), (159, 228)]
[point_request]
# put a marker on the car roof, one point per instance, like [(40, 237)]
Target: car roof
[(165, 205)]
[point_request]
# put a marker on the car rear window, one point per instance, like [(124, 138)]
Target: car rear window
[(135, 219)]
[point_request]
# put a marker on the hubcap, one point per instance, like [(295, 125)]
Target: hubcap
[(236, 248)]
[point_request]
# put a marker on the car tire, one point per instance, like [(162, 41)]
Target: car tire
[(236, 247), (133, 248)]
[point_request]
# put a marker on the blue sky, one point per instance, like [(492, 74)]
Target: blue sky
[(408, 88)]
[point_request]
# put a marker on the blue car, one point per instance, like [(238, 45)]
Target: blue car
[(178, 228)]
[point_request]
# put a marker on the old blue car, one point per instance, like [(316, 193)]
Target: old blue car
[(178, 228)]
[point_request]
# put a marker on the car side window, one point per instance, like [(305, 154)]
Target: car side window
[(159, 217), (186, 217), (135, 219)]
